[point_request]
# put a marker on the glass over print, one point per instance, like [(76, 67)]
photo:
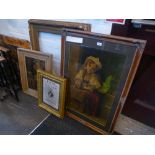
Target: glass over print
[(51, 93), (97, 70), (32, 66), (94, 81), (51, 43)]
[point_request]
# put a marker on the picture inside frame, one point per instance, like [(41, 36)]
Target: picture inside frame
[(51, 93), (32, 66), (97, 69), (94, 77)]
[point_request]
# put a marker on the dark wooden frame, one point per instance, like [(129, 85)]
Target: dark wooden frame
[(51, 26), (134, 62)]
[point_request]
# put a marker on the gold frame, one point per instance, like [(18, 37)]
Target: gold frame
[(62, 81), (22, 53)]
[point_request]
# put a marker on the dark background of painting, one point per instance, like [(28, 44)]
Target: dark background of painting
[(112, 64), (32, 65)]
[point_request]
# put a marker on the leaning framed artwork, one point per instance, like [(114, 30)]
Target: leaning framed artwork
[(37, 26), (100, 70), (51, 90), (46, 36), (29, 62)]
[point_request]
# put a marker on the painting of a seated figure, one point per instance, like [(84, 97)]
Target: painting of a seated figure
[(85, 85), (94, 78)]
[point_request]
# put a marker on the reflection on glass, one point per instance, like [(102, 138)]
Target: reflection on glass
[(51, 91), (51, 43), (94, 75)]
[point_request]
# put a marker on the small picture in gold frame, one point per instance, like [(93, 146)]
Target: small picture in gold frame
[(51, 92)]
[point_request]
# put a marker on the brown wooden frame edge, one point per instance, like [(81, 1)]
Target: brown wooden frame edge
[(51, 26), (129, 79)]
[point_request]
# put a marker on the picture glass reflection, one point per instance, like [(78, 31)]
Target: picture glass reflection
[(32, 66), (94, 76)]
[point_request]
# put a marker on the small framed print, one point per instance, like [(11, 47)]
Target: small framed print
[(51, 92)]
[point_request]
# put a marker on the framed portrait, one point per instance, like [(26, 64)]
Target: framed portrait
[(100, 70), (46, 36), (51, 90), (29, 62)]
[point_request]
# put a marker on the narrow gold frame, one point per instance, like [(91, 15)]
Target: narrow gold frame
[(22, 53), (62, 81)]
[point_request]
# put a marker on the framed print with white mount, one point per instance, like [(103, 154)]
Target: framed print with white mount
[(52, 92), (100, 70)]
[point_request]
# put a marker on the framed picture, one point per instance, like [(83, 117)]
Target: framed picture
[(46, 36), (29, 62), (51, 90), (100, 70)]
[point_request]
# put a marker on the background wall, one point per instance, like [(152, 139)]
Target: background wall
[(15, 28)]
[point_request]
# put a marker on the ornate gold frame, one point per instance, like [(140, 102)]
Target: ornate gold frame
[(62, 81)]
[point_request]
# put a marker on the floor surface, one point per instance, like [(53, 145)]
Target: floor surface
[(55, 126), (25, 117), (20, 118)]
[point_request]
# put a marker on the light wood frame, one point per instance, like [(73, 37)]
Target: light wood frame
[(62, 91), (51, 26), (22, 53)]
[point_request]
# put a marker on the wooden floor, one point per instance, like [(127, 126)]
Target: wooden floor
[(128, 126)]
